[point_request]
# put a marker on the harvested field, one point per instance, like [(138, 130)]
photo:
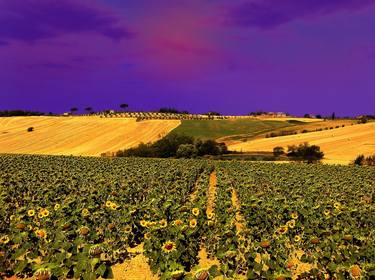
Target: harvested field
[(89, 136), (340, 145)]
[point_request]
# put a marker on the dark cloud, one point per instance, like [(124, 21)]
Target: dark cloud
[(31, 20), (267, 14)]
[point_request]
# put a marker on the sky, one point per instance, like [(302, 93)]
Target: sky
[(230, 56)]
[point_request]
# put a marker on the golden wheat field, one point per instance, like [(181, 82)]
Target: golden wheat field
[(340, 145), (88, 136)]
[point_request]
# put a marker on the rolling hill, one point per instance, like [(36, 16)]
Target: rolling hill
[(87, 136), (340, 145)]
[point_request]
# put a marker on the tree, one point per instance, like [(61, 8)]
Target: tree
[(73, 110), (305, 152), (187, 151), (278, 151), (168, 146), (333, 116), (123, 106), (318, 116), (359, 160), (208, 147), (307, 116), (88, 110), (363, 120)]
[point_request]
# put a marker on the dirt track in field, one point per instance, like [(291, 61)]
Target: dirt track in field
[(340, 146), (86, 136)]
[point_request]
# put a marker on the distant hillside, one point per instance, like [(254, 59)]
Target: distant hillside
[(78, 135), (340, 145)]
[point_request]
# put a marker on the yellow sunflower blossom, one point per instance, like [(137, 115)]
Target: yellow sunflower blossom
[(355, 271), (4, 239), (178, 223), (291, 223), (31, 213), (294, 215), (193, 223), (163, 223), (143, 223), (41, 233), (114, 206), (337, 205), (210, 215), (57, 206), (169, 247), (297, 238), (43, 212), (282, 230), (85, 212), (151, 224), (108, 203), (147, 236), (327, 212), (195, 212), (127, 229)]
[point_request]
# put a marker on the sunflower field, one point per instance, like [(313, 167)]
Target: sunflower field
[(76, 217)]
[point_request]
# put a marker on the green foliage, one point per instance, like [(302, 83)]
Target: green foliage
[(278, 151), (175, 145), (187, 151), (305, 152), (89, 211), (245, 128)]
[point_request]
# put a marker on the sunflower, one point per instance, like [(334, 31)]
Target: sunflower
[(5, 239), (297, 238), (57, 206), (143, 223), (43, 213), (85, 212), (108, 203), (127, 229), (169, 247), (31, 213), (282, 230), (147, 236), (150, 224), (294, 215), (195, 212), (327, 212), (42, 273), (41, 233), (291, 223), (193, 223), (337, 205), (210, 215), (178, 223), (114, 206), (163, 223), (355, 271), (84, 231)]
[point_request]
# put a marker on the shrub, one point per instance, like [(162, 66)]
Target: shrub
[(278, 151), (30, 129), (359, 160), (362, 120), (305, 152), (186, 151), (362, 160)]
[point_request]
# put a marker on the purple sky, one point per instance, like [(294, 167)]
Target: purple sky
[(298, 56)]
